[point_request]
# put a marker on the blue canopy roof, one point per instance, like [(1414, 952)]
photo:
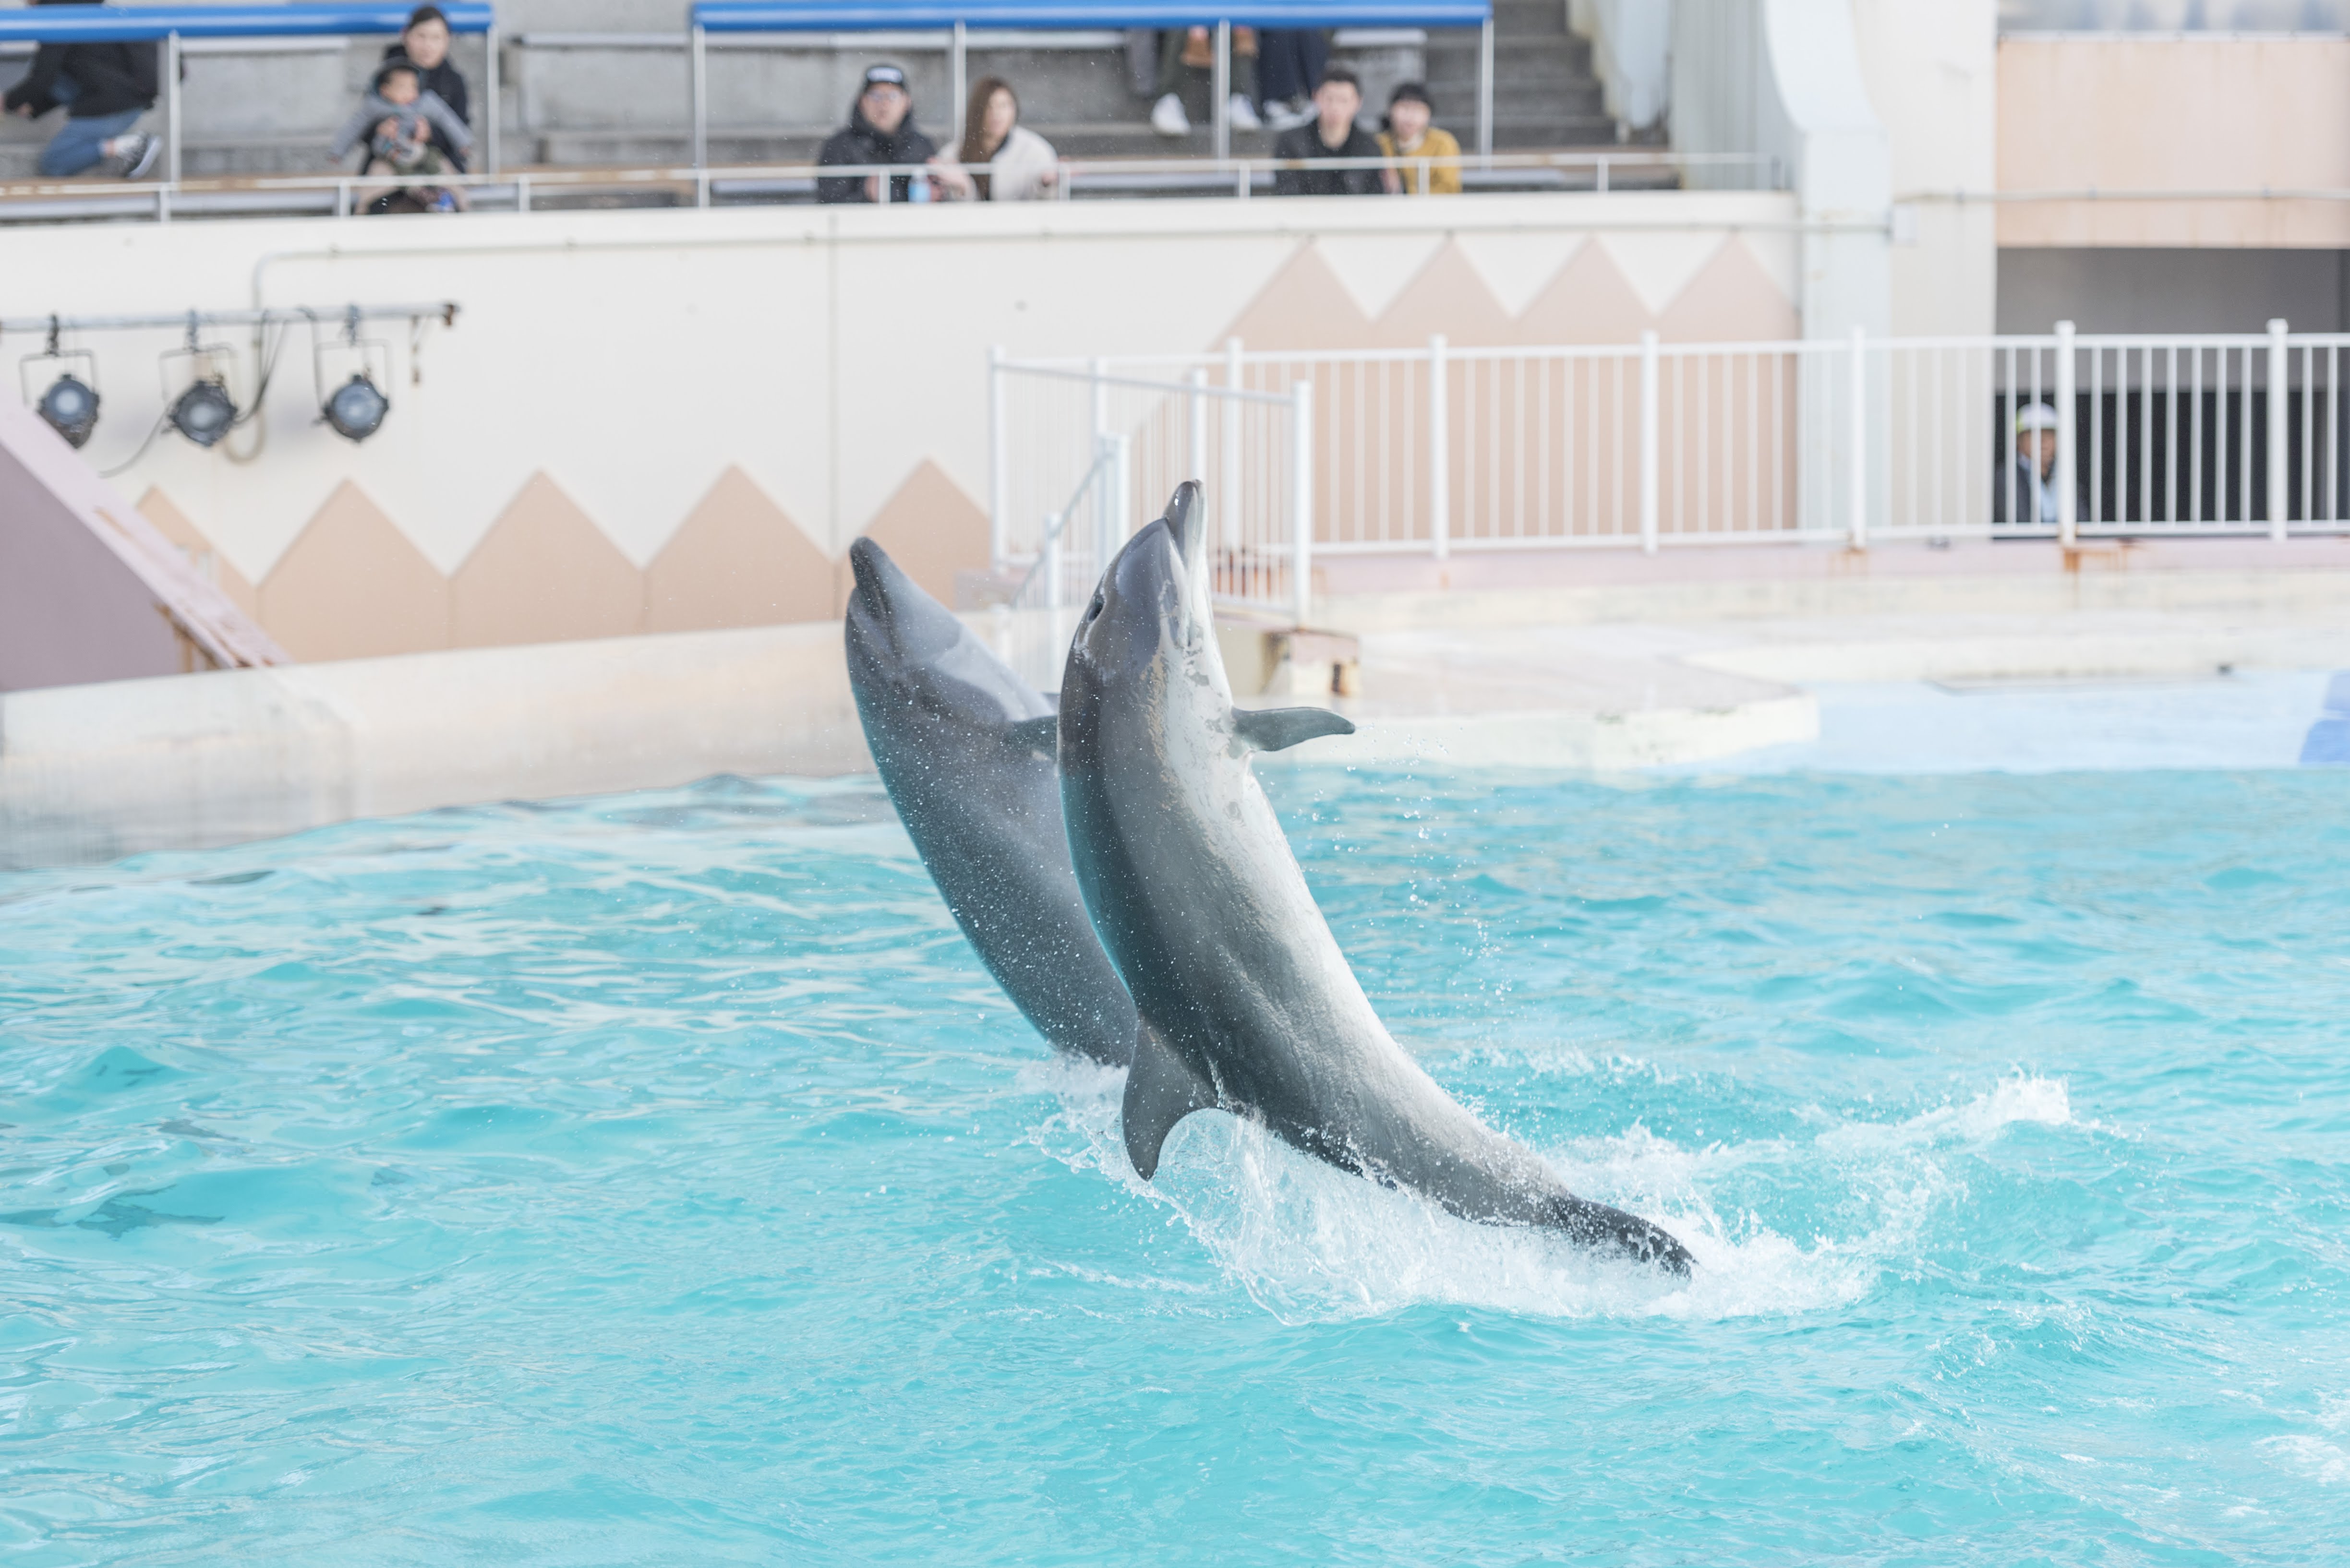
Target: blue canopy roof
[(889, 16), (116, 24)]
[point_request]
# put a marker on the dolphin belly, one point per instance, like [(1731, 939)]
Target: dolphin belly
[(964, 747), (1247, 1004)]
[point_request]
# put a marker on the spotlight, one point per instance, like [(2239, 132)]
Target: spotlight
[(203, 412), (357, 409), (70, 407)]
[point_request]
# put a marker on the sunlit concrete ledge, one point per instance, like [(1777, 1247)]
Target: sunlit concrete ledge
[(1542, 677)]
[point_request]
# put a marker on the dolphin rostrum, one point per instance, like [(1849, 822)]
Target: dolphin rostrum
[(1247, 1004), (965, 749)]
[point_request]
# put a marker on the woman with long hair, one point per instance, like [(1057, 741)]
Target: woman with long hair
[(998, 159)]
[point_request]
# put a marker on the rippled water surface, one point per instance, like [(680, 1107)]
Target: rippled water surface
[(660, 1180)]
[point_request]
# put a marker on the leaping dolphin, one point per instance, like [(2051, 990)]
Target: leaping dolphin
[(1247, 1004), (965, 749)]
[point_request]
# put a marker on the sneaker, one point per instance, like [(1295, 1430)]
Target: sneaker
[(138, 158), (1243, 114), (1168, 119), (1291, 115)]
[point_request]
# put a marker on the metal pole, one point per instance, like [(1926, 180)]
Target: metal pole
[(2067, 518), (1301, 499), (1227, 512), (1485, 89), (1220, 92), (999, 476), (1857, 527), (959, 66), (1439, 450), (698, 89), (490, 72), (1649, 368), (2277, 416), (172, 108)]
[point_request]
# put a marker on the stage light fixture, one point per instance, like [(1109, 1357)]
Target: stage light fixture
[(70, 407), (205, 413), (357, 409)]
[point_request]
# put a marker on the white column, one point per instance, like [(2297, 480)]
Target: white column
[(1199, 424), (2067, 509), (1649, 377), (1439, 450), (2278, 405), (1301, 500)]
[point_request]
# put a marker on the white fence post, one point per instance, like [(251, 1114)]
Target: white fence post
[(2278, 375), (1227, 512), (1114, 496), (1440, 450), (172, 108), (1053, 560), (1857, 525), (1301, 499), (1199, 424), (1649, 368), (999, 470), (2068, 509)]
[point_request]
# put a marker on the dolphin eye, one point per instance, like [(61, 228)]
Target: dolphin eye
[(1094, 609)]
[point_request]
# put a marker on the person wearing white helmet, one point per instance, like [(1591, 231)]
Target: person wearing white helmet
[(2029, 494)]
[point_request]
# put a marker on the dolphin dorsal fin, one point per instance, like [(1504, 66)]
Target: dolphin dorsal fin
[(1278, 729), (1160, 1091), (1040, 735)]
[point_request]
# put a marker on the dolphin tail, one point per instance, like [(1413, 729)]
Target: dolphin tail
[(1597, 1226), (1160, 1090)]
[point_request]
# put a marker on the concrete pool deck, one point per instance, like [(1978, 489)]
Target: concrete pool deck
[(1637, 670)]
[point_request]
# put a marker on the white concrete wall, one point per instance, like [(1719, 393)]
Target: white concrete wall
[(1932, 67), (634, 356)]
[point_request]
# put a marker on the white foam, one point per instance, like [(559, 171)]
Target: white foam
[(2315, 1458), (1311, 1243), (2021, 1098)]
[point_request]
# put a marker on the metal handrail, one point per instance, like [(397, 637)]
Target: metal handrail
[(1212, 174)]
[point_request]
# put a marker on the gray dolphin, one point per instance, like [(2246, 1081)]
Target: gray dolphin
[(1247, 1004), (965, 749)]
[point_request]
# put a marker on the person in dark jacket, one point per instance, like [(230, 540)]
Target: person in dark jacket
[(425, 42), (880, 130), (103, 88), (1333, 134), (2031, 492)]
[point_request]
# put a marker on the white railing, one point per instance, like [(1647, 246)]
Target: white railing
[(341, 194), (1084, 456), (1440, 448)]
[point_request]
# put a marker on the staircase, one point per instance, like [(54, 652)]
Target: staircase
[(1544, 94)]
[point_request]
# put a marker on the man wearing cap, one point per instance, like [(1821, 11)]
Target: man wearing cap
[(880, 130), (2030, 494)]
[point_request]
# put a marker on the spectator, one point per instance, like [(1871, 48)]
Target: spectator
[(103, 88), (1411, 132), (880, 130), (425, 41), (400, 121), (1333, 134), (1289, 61), (999, 159), (2030, 494), (1187, 56)]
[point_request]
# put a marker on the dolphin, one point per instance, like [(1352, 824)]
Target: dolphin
[(1247, 1005), (965, 749)]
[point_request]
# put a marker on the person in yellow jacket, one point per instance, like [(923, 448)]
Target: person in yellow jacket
[(1411, 134)]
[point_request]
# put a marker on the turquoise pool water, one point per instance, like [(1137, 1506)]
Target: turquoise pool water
[(660, 1180)]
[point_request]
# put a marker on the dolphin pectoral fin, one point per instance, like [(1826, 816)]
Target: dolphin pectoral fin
[(1160, 1091), (1278, 729), (1039, 735), (1612, 1229)]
